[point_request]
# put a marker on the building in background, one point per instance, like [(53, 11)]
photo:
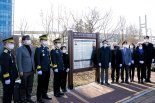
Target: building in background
[(6, 19)]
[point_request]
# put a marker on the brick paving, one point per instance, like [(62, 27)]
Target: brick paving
[(114, 93)]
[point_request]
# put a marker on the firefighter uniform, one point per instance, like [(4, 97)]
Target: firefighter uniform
[(58, 66), (42, 60), (8, 72)]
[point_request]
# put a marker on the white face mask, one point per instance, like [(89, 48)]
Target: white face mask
[(45, 43), (146, 40), (64, 51), (131, 47), (28, 42), (126, 46), (140, 47), (59, 45), (105, 45), (10, 46)]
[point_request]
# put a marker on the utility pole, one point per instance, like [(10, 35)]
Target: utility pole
[(143, 26)]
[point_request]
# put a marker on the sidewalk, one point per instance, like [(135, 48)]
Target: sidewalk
[(114, 93)]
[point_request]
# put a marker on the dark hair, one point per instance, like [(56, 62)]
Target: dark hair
[(25, 37), (104, 41), (146, 37), (63, 47), (132, 45), (125, 42)]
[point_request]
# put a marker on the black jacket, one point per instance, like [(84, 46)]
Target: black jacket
[(8, 66), (105, 57), (148, 49), (66, 60), (139, 56), (42, 58), (133, 56), (57, 59), (94, 57), (116, 58)]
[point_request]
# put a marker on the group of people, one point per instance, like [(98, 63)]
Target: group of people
[(43, 61), (126, 58), (30, 60)]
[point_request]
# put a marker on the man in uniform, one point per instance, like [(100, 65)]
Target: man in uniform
[(9, 70), (42, 60), (58, 66)]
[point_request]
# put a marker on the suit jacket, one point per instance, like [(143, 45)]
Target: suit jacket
[(133, 57), (25, 62), (140, 56), (105, 57), (148, 49), (116, 58), (126, 56)]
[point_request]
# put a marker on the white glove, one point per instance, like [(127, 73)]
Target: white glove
[(50, 70), (109, 64), (67, 70), (99, 64), (129, 64), (56, 70), (7, 81), (40, 72), (141, 62), (152, 60), (120, 65), (132, 61)]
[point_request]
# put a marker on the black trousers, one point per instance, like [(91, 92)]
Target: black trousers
[(132, 72), (57, 82), (141, 72), (126, 67), (43, 82), (148, 71), (26, 85), (117, 70), (8, 92), (63, 79)]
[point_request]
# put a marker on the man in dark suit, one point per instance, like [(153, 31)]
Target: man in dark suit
[(8, 70), (58, 66), (149, 58), (43, 61), (105, 61), (126, 61), (25, 64), (116, 63)]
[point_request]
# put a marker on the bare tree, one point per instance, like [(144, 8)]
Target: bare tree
[(47, 20), (23, 27)]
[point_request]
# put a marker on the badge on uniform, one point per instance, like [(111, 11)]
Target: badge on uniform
[(57, 51), (43, 54)]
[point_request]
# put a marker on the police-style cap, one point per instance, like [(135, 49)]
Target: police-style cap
[(58, 40), (9, 40), (43, 37)]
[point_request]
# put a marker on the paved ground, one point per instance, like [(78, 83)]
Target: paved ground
[(114, 93)]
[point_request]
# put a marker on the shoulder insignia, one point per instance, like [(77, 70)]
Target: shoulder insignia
[(5, 51)]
